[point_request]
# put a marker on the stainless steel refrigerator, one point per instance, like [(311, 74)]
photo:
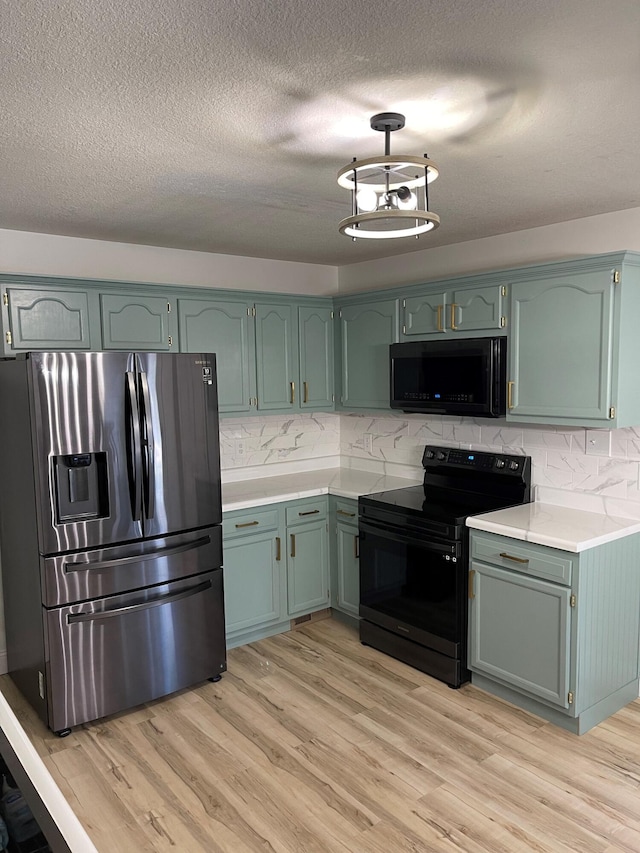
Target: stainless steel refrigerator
[(110, 529)]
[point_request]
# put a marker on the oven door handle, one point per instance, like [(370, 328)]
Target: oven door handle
[(400, 535)]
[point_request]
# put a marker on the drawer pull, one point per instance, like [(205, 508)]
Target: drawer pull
[(344, 512), (248, 524), (293, 544), (278, 549), (310, 512), (516, 559)]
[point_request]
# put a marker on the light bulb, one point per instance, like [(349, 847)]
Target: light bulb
[(366, 199), (409, 203)]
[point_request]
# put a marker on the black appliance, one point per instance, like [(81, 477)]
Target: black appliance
[(450, 377), (110, 528), (414, 556)]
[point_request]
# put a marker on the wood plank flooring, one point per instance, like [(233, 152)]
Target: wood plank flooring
[(314, 743)]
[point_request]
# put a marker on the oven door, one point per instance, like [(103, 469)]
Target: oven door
[(413, 585)]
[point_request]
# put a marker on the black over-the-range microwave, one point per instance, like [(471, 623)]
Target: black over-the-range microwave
[(450, 377)]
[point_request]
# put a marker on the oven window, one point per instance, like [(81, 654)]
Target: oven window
[(411, 583)]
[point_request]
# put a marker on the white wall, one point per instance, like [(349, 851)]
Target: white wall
[(26, 253), (593, 235)]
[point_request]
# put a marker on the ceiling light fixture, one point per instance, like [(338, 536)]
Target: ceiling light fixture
[(389, 195)]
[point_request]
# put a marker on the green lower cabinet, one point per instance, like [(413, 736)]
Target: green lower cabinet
[(556, 632), (307, 567), (345, 561)]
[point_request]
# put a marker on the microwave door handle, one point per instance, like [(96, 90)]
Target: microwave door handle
[(134, 456), (148, 448), (134, 608)]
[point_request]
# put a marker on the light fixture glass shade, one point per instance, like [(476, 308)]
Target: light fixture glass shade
[(389, 194)]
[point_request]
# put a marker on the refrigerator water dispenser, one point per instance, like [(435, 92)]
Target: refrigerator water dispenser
[(81, 486)]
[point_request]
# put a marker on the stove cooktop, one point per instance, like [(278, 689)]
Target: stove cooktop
[(429, 504)]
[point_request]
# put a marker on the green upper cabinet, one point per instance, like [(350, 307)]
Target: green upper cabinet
[(366, 331), (574, 344), (135, 322), (45, 319), (226, 329), (315, 335), (465, 310), (275, 349)]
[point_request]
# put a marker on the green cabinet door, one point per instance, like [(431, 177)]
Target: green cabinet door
[(519, 632), (348, 568), (252, 582), (560, 362), (477, 309), (307, 567), (275, 348), (315, 335), (46, 319), (366, 332), (135, 322), (226, 329), (425, 315)]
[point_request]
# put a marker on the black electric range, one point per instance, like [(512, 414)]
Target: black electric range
[(414, 556)]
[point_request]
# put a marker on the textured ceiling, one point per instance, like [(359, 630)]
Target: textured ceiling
[(220, 125)]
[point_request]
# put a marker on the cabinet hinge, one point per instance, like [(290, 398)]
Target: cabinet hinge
[(572, 601), (503, 322), (612, 412), (333, 398), (253, 311), (332, 315), (170, 340), (5, 298), (248, 312), (615, 277), (404, 303), (8, 338), (570, 698), (168, 308), (340, 313), (404, 330), (504, 290)]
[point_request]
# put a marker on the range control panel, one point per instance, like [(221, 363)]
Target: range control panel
[(479, 460)]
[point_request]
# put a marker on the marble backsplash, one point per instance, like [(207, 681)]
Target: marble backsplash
[(393, 444)]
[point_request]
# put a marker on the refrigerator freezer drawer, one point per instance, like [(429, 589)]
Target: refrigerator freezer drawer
[(108, 655), (107, 571)]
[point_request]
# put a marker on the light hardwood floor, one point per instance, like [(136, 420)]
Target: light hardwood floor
[(314, 743)]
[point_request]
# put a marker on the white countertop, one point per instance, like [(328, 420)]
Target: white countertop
[(556, 526), (344, 482)]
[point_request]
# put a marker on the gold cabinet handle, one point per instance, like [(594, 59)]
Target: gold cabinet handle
[(305, 386), (293, 544), (516, 559), (439, 319), (248, 524), (293, 391), (344, 512), (472, 573), (278, 549), (453, 316), (510, 394), (310, 512), (356, 547)]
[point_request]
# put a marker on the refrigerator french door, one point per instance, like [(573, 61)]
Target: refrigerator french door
[(110, 529)]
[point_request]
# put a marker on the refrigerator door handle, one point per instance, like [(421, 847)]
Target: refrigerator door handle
[(134, 460), (147, 448), (136, 558), (145, 605)]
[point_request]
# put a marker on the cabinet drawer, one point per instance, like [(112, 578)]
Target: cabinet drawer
[(530, 559), (306, 511), (251, 521), (347, 511)]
